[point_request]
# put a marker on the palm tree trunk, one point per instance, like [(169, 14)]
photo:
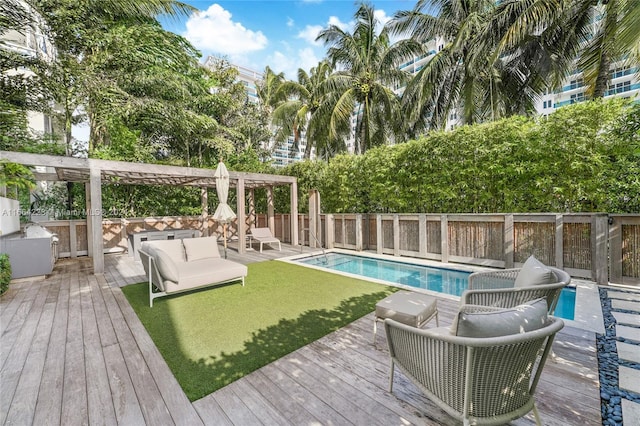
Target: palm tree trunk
[(602, 81)]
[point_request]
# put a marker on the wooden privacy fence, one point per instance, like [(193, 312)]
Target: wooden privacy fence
[(601, 247)]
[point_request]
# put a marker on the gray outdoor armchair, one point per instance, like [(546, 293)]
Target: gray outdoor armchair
[(477, 380), (500, 289)]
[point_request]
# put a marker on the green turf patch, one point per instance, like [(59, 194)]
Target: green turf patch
[(212, 337)]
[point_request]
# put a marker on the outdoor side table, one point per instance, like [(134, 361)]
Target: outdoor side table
[(410, 308)]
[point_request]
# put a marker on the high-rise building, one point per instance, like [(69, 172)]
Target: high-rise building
[(30, 42), (283, 153)]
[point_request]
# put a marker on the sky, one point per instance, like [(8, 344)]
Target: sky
[(277, 33)]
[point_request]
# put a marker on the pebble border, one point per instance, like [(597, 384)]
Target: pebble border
[(610, 393)]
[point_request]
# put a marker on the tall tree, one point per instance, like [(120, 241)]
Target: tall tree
[(269, 98), (595, 33), (367, 66), (77, 31), (464, 76), (304, 110)]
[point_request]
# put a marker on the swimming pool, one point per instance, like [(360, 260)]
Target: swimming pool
[(441, 280)]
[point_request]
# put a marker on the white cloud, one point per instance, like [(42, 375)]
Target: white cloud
[(308, 59), (290, 22), (334, 20), (214, 31), (381, 16), (289, 62), (310, 33)]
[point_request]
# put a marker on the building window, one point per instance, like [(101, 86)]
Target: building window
[(577, 97), (576, 83), (620, 72)]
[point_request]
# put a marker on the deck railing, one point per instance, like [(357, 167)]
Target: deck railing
[(601, 247)]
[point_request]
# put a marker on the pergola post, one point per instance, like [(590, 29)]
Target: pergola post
[(294, 213), (87, 207), (241, 216), (204, 217), (315, 222), (252, 208), (95, 212), (271, 216)]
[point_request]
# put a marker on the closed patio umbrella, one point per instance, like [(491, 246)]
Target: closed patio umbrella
[(223, 213)]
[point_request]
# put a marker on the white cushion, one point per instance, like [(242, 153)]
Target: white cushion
[(201, 248), (172, 248), (534, 272), (166, 266), (206, 271), (502, 322)]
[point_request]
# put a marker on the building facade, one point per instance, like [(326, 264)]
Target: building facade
[(30, 42), (284, 153)]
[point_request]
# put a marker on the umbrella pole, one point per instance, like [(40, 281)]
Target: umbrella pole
[(224, 235)]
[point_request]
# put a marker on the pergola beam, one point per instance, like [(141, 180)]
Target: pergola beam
[(94, 172)]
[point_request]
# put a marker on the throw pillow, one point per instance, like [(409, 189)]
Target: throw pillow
[(534, 272), (201, 248), (166, 266), (503, 322)]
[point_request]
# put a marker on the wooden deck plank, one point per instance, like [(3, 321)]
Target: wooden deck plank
[(13, 368), (317, 407), (212, 414), (297, 368), (374, 377), (76, 319), (235, 409), (13, 325), (147, 395), (100, 410), (49, 405), (172, 394), (289, 408), (126, 406), (26, 395), (74, 396), (126, 403), (262, 409), (12, 299), (339, 384)]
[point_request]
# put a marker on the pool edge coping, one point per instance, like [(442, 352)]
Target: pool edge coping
[(587, 315)]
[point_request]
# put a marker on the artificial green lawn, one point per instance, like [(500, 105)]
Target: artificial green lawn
[(212, 337)]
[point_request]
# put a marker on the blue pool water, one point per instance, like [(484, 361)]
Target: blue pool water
[(442, 280)]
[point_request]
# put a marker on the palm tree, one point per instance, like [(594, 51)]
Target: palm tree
[(464, 75), (301, 112), (367, 66), (594, 33)]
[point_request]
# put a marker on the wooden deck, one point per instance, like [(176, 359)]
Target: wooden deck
[(72, 351)]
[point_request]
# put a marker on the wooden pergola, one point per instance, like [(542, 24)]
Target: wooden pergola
[(93, 173)]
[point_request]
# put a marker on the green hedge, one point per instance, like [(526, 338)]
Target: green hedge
[(582, 158), (5, 272)]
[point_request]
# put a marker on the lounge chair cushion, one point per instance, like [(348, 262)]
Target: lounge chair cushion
[(502, 322), (172, 248), (201, 248), (534, 272), (166, 266), (205, 271)]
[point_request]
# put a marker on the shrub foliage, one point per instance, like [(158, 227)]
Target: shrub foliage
[(582, 158), (5, 272)]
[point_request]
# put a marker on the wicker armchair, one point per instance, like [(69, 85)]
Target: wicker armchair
[(484, 381), (496, 288)]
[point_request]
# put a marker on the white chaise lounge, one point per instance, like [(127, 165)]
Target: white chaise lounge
[(264, 235), (173, 266)]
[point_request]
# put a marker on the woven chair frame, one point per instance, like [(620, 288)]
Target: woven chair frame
[(476, 380), (496, 288)]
